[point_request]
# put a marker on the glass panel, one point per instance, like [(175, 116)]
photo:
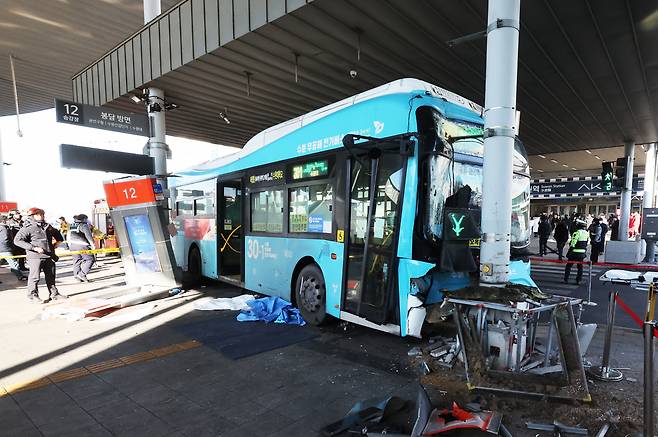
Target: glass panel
[(359, 207), (520, 235), (267, 211), (204, 206), (311, 209), (230, 244), (382, 230), (439, 188), (185, 207), (471, 175)]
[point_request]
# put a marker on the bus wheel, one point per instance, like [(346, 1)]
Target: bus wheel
[(194, 268), (310, 294)]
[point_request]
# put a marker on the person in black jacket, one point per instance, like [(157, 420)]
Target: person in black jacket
[(39, 240), (7, 249), (14, 224), (81, 238), (561, 235), (544, 233)]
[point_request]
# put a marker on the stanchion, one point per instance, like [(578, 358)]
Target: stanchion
[(651, 302), (649, 417), (589, 283), (605, 372)]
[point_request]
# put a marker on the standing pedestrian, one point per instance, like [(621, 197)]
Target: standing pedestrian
[(39, 239), (7, 249), (613, 223), (561, 235), (64, 227), (595, 235), (544, 234), (81, 238), (577, 250), (604, 230)]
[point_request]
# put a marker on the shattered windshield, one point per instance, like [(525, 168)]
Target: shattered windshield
[(446, 177)]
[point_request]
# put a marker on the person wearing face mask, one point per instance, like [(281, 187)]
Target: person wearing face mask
[(39, 239)]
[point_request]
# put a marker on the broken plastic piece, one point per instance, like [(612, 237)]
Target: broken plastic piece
[(458, 418)]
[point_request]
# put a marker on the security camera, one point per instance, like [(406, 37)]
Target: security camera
[(354, 74)]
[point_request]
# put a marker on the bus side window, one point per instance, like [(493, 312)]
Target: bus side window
[(267, 211), (184, 207), (311, 209), (203, 206)]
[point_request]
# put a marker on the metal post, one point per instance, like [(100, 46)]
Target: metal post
[(605, 372), (157, 146), (589, 282), (627, 190), (3, 194), (499, 133), (152, 9), (649, 417), (647, 198)]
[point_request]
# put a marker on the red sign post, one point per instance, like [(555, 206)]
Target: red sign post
[(132, 192)]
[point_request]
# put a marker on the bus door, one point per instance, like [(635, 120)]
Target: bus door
[(374, 199), (230, 232)]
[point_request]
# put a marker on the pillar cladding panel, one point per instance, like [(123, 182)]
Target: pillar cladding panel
[(114, 74), (154, 38), (175, 39), (241, 17), (276, 9), (121, 56), (165, 48), (137, 57), (130, 66), (146, 55), (257, 13), (198, 28), (225, 21), (95, 84)]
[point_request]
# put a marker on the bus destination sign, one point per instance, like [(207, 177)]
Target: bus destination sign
[(311, 169), (101, 118), (267, 178)]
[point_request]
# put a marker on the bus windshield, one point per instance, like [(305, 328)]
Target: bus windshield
[(446, 176)]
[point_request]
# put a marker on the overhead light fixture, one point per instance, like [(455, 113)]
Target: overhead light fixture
[(542, 156), (540, 171), (223, 116), (554, 161), (597, 156), (171, 106), (565, 165), (588, 151), (135, 99), (574, 168)]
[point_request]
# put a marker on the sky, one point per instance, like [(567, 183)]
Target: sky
[(35, 177)]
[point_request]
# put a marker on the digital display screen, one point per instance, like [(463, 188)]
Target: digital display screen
[(310, 170), (142, 243)]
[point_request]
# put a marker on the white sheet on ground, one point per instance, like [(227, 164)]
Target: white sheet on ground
[(224, 303)]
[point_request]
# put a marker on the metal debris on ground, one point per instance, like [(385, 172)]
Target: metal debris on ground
[(556, 428)]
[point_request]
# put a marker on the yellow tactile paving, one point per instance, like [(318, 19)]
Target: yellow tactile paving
[(103, 366)]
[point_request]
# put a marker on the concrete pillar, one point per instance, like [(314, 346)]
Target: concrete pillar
[(152, 8), (647, 198), (626, 191), (157, 145), (500, 131)]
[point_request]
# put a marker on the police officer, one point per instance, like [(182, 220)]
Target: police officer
[(577, 249), (14, 224), (81, 238), (39, 240)]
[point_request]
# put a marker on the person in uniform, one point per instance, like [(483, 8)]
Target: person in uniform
[(577, 249), (7, 249), (39, 240), (14, 224), (81, 238)]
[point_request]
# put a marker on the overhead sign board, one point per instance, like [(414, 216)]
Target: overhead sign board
[(98, 117), (7, 206), (577, 187), (89, 158)]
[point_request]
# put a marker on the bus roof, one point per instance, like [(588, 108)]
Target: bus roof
[(274, 133)]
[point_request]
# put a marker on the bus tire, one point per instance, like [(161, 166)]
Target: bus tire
[(194, 277), (311, 295)]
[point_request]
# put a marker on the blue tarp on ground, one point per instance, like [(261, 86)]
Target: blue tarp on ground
[(271, 309)]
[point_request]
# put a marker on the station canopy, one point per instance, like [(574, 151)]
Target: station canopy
[(588, 69)]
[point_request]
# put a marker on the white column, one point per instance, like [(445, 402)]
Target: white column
[(157, 145), (152, 9), (647, 197), (626, 191), (500, 130)]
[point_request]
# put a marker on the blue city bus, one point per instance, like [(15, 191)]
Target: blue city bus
[(343, 211)]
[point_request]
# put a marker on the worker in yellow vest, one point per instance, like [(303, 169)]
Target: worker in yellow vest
[(577, 250)]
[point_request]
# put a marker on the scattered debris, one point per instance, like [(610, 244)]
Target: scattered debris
[(603, 431), (557, 428), (446, 420), (415, 351), (631, 379), (424, 368), (236, 303)]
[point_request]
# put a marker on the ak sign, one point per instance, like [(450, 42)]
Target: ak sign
[(101, 118), (577, 186)]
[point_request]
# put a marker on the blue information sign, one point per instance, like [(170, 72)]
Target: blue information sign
[(142, 243)]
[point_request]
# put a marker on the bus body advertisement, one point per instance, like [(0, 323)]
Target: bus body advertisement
[(366, 210)]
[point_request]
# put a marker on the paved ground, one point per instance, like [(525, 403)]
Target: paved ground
[(150, 377), (291, 391)]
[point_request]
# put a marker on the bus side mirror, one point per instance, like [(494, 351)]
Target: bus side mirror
[(348, 141)]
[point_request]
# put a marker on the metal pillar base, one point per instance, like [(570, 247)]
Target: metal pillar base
[(608, 374)]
